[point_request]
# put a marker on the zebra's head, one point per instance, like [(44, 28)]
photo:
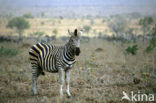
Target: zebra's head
[(74, 41)]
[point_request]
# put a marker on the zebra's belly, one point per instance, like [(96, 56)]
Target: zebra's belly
[(52, 68)]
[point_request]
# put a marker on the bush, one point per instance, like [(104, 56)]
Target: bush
[(154, 30), (38, 34), (132, 50), (55, 31), (92, 21), (8, 52), (118, 25), (87, 28), (151, 46), (100, 34), (19, 23), (61, 17), (28, 15), (42, 14), (146, 23)]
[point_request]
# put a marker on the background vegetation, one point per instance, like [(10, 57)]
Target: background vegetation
[(117, 51)]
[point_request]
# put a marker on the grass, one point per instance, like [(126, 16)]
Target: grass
[(151, 45), (97, 77), (8, 52)]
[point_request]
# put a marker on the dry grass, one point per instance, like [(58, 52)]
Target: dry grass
[(97, 77), (47, 25)]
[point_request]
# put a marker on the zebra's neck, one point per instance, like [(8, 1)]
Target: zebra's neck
[(68, 52)]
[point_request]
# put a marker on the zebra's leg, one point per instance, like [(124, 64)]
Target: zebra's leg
[(67, 79), (61, 78), (35, 74)]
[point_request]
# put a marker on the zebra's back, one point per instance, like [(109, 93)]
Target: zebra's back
[(43, 56)]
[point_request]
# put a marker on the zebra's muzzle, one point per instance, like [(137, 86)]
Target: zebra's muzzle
[(77, 51)]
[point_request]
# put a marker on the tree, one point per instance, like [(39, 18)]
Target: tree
[(146, 23), (19, 23), (118, 24), (42, 14), (87, 28)]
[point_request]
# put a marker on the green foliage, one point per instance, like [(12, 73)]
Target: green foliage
[(38, 34), (55, 31), (100, 34), (8, 52), (132, 50), (87, 28), (145, 23), (154, 30), (151, 46), (28, 15), (19, 23)]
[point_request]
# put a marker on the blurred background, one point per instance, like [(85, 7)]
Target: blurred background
[(97, 17), (118, 48)]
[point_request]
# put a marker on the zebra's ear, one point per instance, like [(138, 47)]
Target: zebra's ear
[(69, 32), (75, 32)]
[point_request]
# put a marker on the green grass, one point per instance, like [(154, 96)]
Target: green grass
[(8, 52)]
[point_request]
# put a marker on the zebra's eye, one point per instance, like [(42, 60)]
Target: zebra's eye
[(72, 40)]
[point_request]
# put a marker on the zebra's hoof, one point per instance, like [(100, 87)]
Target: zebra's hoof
[(69, 96)]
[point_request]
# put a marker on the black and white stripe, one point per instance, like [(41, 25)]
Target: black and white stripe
[(51, 58)]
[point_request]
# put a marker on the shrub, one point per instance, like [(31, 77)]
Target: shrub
[(38, 34), (154, 31), (118, 25), (8, 52), (92, 21), (100, 34), (146, 22), (28, 15), (42, 14), (87, 28), (61, 17), (55, 31), (132, 50), (151, 46), (19, 23)]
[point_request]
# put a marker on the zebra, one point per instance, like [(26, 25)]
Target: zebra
[(55, 59)]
